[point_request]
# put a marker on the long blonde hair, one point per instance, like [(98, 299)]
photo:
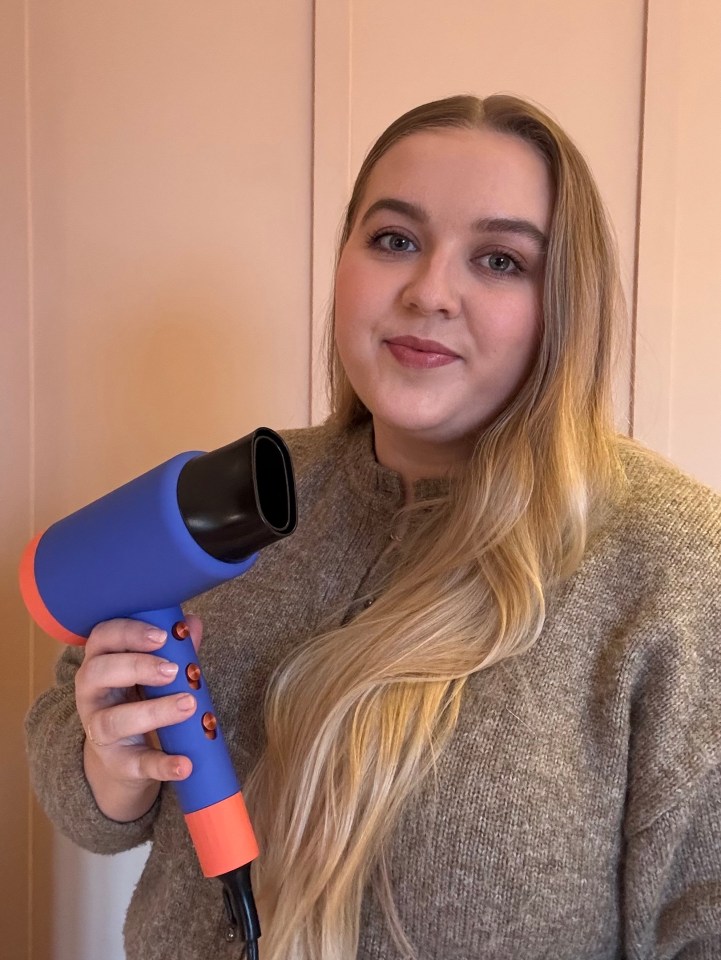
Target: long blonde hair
[(356, 717)]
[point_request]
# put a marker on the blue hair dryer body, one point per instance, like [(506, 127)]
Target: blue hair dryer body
[(178, 530)]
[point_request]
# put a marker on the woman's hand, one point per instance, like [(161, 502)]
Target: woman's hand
[(124, 768)]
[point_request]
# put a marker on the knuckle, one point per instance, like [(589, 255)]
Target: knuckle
[(131, 632), (140, 767), (92, 672), (98, 723), (150, 765), (115, 635), (104, 727), (141, 667), (161, 711), (105, 630)]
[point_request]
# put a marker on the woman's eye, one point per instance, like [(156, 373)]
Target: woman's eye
[(500, 263), (394, 243)]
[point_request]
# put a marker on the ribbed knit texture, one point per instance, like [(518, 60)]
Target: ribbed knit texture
[(576, 813)]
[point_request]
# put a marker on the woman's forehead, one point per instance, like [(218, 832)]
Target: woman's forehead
[(462, 172)]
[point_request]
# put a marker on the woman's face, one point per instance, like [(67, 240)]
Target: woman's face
[(439, 288)]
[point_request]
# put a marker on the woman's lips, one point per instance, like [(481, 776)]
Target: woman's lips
[(420, 354)]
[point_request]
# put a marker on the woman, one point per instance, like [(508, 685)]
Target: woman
[(489, 653)]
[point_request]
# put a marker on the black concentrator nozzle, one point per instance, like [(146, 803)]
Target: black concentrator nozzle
[(239, 498)]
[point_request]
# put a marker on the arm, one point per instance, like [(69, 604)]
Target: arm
[(672, 879), (672, 863)]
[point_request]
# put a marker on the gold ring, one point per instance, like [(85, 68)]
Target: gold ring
[(92, 739)]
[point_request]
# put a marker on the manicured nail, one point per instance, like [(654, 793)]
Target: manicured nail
[(186, 702), (168, 668), (156, 635)]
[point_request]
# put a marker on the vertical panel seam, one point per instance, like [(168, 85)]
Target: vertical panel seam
[(30, 280), (637, 242), (311, 245), (331, 157)]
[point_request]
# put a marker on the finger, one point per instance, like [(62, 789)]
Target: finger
[(114, 636), (156, 765), (196, 629), (123, 721), (111, 671), (146, 763)]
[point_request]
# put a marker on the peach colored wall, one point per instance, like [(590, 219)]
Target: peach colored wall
[(558, 54), (678, 362), (178, 174), (695, 440), (169, 204), (170, 165), (15, 444)]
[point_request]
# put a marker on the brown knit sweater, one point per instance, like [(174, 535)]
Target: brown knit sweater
[(576, 813)]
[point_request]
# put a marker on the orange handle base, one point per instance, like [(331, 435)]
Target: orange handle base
[(223, 836)]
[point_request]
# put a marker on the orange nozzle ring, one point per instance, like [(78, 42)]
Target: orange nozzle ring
[(34, 601)]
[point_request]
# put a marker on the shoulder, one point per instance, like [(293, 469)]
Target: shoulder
[(653, 569), (319, 454), (665, 514), (311, 446), (338, 464), (667, 593)]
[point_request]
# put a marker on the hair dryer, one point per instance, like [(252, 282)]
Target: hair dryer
[(174, 532)]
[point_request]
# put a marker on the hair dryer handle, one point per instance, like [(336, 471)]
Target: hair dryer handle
[(210, 798)]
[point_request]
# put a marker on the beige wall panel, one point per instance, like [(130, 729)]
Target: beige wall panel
[(581, 61), (695, 436), (678, 382), (171, 170), (15, 486), (170, 173), (658, 204), (331, 171)]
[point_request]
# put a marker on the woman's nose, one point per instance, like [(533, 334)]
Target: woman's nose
[(433, 288)]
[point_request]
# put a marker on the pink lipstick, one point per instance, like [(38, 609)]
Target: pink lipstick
[(420, 354)]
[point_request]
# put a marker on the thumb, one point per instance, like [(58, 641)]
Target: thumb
[(195, 625)]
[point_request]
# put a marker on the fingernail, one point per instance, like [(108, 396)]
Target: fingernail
[(168, 668), (156, 635), (186, 702)]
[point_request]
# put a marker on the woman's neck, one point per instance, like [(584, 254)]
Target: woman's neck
[(417, 458)]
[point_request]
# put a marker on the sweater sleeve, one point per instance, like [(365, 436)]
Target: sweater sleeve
[(55, 740), (672, 864), (673, 880)]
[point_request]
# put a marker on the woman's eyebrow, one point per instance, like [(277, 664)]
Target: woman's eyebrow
[(516, 225), (411, 210), (513, 225)]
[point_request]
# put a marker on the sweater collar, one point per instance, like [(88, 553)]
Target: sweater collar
[(366, 475)]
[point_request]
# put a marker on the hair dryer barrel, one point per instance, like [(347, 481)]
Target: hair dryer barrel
[(172, 533)]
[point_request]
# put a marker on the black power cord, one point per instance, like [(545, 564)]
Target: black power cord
[(251, 951), (240, 907)]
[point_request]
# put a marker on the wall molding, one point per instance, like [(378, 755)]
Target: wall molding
[(330, 171), (656, 229)]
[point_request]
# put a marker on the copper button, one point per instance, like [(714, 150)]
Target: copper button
[(210, 722), (192, 672), (181, 630)]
